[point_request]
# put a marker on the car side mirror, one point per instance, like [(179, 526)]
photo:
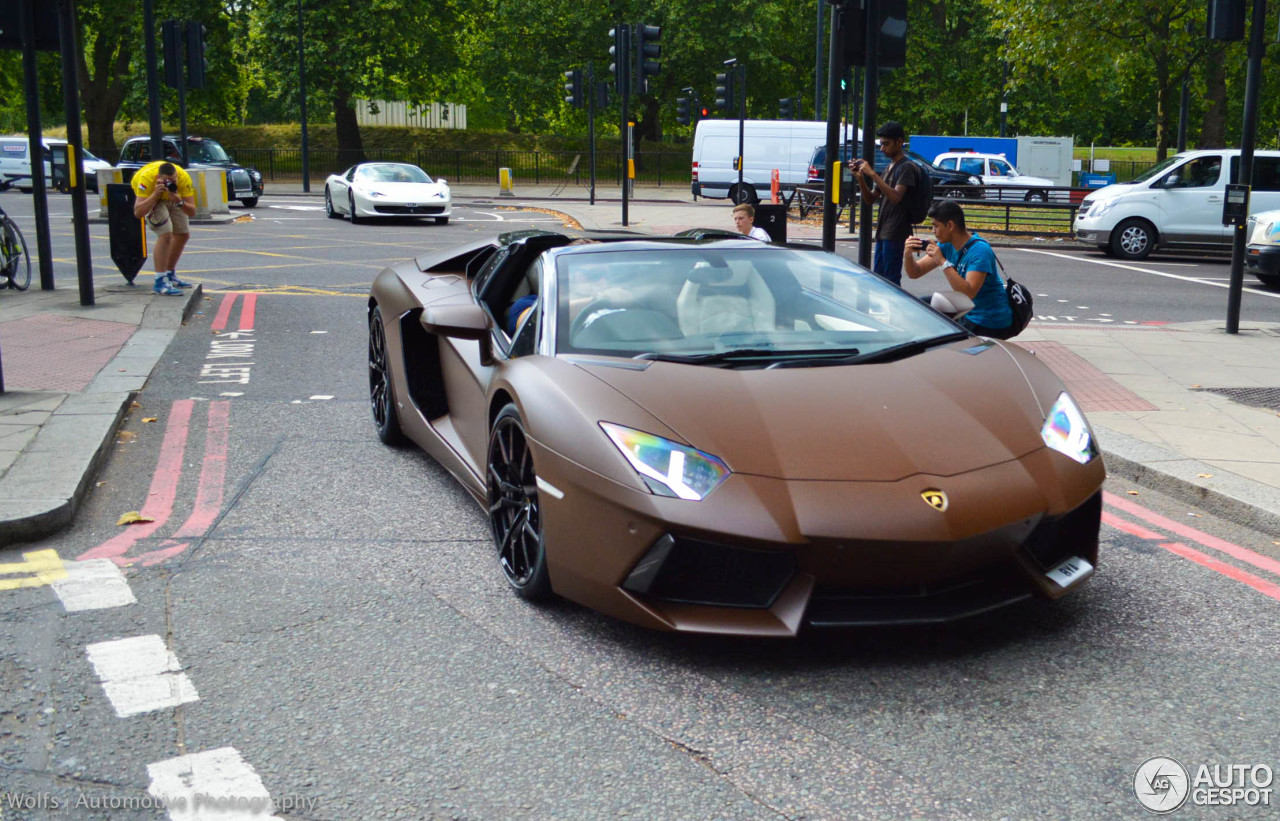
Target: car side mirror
[(442, 180), (468, 321)]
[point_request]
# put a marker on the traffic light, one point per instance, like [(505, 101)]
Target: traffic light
[(724, 91), (197, 65), (891, 40), (602, 94), (647, 53), (787, 108), (620, 68), (682, 110), (573, 88), (172, 33)]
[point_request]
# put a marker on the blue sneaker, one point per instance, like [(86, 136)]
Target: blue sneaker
[(163, 288), (177, 283)]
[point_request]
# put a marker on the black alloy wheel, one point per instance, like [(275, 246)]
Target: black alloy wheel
[(328, 205), (351, 200), (381, 397), (1037, 196), (515, 516)]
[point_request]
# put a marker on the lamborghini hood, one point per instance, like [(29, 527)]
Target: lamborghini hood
[(941, 413)]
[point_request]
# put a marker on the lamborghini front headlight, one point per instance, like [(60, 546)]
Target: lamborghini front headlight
[(668, 468)]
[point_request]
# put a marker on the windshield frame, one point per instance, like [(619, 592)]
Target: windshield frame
[(816, 299), (365, 170), (1159, 169)]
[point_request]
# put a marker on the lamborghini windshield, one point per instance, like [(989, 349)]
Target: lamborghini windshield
[(750, 304)]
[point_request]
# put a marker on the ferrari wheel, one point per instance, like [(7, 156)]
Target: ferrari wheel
[(381, 397), (442, 220), (351, 200), (328, 205), (514, 513)]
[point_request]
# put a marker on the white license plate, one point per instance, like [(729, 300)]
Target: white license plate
[(1070, 571)]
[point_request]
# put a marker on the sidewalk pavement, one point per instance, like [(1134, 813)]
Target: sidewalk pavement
[(1184, 408)]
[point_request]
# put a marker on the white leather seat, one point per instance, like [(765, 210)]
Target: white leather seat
[(739, 302)]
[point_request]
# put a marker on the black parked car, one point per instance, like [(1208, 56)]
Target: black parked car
[(957, 184), (244, 184)]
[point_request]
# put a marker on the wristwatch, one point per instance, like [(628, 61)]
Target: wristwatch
[(946, 263)]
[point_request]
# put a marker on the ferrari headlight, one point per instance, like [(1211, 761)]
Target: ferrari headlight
[(1066, 431), (668, 468), (373, 193)]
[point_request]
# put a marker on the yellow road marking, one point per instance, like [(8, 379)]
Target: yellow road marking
[(44, 564)]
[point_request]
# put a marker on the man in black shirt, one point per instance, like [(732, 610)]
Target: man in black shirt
[(893, 190)]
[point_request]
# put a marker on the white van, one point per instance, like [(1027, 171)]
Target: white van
[(15, 163), (785, 145), (1178, 203)]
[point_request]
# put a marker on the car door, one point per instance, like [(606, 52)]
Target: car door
[(1265, 193), (1189, 197)]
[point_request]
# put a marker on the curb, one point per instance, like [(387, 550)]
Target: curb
[(1226, 495), (46, 485)]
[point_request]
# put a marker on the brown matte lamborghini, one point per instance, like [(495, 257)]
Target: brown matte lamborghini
[(714, 434)]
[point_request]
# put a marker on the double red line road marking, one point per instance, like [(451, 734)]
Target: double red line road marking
[(1241, 554), (164, 483)]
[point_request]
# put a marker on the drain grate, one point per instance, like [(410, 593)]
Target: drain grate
[(1268, 398)]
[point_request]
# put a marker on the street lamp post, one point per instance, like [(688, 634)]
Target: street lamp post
[(302, 100)]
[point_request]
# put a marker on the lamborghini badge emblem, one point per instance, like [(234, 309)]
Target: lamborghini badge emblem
[(935, 498)]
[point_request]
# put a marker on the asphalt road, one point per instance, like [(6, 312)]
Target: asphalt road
[(349, 635)]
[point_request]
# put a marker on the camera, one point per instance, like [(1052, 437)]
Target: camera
[(924, 245), (171, 186)]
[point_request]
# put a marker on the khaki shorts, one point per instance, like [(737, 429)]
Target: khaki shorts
[(168, 218)]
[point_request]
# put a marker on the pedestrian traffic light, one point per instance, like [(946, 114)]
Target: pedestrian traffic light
[(573, 88), (197, 65), (787, 108), (647, 54), (682, 110), (724, 91), (171, 31)]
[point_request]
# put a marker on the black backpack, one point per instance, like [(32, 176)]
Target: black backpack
[(921, 195), (1019, 302)]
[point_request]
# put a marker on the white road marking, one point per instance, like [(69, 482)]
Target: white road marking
[(213, 784), (298, 207), (93, 584), (1166, 274), (320, 397), (140, 675)]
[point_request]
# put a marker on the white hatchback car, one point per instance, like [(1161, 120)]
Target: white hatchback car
[(1262, 256), (996, 170)]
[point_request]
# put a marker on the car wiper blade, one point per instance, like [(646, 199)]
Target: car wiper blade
[(745, 354), (883, 355)]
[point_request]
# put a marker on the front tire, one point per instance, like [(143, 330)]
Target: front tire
[(329, 210), (351, 201), (249, 202), (17, 260), (515, 514), (381, 396), (442, 220), (1269, 280), (1133, 239), (1037, 196)]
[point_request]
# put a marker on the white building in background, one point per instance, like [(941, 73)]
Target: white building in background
[(430, 115)]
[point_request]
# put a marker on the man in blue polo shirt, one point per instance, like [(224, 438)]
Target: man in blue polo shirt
[(970, 267)]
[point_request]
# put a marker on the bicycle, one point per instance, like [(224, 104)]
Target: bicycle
[(15, 262)]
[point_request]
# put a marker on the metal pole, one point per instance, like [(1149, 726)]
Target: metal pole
[(35, 146), (1004, 98), (624, 80), (835, 63), (71, 99), (153, 82), (302, 102), (180, 32), (817, 63), (742, 121), (1248, 136), (592, 93), (870, 100)]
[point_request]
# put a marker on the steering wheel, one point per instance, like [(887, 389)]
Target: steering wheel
[(596, 305)]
